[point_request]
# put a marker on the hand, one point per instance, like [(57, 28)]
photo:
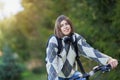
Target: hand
[(113, 62)]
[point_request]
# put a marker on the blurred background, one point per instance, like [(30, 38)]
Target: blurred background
[(25, 26)]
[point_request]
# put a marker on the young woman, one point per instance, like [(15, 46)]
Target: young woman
[(63, 67)]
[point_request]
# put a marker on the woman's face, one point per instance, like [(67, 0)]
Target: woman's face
[(65, 27)]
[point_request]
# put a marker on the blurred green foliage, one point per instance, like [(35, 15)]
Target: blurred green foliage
[(96, 20), (10, 68)]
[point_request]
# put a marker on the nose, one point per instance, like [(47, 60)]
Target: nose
[(65, 26)]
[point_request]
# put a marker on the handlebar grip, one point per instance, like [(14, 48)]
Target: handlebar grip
[(103, 68), (106, 68)]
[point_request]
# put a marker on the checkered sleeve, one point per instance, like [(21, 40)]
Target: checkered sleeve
[(89, 52), (53, 61)]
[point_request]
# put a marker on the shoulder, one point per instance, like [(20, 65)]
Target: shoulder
[(78, 35), (52, 39)]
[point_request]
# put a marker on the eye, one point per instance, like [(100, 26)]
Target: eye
[(66, 23), (62, 25)]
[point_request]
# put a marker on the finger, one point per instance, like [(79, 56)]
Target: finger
[(113, 64)]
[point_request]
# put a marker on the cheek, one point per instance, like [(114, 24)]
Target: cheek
[(70, 28), (62, 29)]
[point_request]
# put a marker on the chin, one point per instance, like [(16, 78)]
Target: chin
[(67, 34)]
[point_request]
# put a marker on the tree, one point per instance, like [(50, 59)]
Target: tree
[(10, 69)]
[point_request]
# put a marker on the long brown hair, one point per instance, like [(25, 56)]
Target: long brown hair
[(57, 30)]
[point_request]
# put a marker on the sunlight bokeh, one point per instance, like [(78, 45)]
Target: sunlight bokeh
[(9, 8)]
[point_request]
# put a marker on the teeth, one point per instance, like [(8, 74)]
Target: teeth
[(66, 30)]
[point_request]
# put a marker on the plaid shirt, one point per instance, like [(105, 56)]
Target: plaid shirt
[(64, 66)]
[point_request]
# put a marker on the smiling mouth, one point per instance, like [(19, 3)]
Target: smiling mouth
[(66, 30)]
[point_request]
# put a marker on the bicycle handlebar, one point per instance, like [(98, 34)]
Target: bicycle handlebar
[(102, 68)]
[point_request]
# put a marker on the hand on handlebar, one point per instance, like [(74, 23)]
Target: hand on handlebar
[(113, 62)]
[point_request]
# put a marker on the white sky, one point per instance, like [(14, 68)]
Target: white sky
[(9, 7)]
